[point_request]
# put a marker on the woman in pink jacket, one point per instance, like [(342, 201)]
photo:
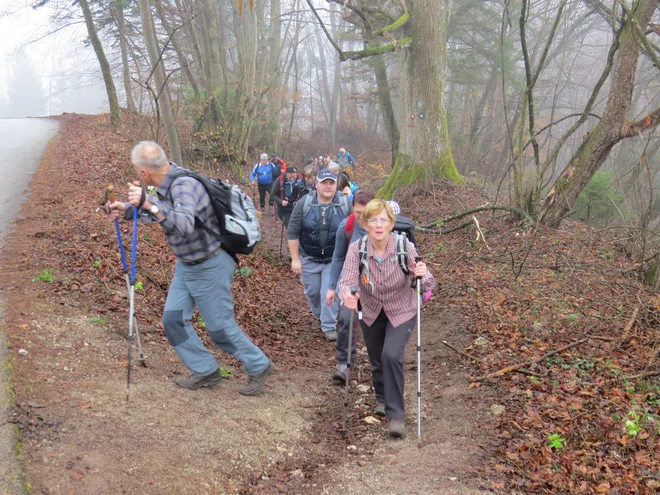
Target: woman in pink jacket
[(388, 301)]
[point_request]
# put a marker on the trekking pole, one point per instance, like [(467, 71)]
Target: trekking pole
[(419, 357), (131, 298), (110, 197), (282, 232), (348, 365)]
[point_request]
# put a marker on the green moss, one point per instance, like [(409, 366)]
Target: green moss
[(400, 22)]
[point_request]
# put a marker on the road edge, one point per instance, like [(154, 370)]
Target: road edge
[(12, 477)]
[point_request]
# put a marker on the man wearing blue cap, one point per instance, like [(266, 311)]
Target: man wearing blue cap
[(311, 240)]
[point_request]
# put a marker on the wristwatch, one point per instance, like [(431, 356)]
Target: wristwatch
[(154, 210)]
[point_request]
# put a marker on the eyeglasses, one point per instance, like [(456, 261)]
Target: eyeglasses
[(379, 221)]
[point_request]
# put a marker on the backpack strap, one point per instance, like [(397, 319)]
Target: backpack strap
[(402, 252), (363, 269), (307, 202)]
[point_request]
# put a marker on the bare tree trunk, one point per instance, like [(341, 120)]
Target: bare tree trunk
[(126, 73), (612, 128), (424, 150), (162, 94), (336, 88), (183, 62), (385, 101), (275, 69), (115, 115)]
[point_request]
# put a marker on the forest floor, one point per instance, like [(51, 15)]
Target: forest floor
[(582, 420)]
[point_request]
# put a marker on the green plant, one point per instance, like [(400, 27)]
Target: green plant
[(632, 425), (201, 322), (599, 200), (556, 441), (534, 379), (245, 271), (97, 264), (225, 373), (99, 320), (45, 276), (139, 286)]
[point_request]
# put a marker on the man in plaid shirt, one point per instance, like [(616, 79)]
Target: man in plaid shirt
[(203, 275)]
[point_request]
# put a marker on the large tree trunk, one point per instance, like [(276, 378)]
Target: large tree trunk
[(115, 115), (126, 73), (612, 128), (162, 94), (424, 150)]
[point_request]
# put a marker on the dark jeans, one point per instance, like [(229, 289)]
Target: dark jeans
[(262, 195), (386, 348)]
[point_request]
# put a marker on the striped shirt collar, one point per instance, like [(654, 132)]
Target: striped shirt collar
[(164, 186)]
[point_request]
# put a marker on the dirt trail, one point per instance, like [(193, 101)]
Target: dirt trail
[(80, 436)]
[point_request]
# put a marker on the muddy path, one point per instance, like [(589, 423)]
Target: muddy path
[(79, 434)]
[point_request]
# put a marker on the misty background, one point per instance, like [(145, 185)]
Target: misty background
[(46, 69)]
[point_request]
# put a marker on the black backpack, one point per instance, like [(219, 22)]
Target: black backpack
[(239, 226)]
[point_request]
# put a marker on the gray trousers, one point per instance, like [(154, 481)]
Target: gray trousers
[(341, 345), (316, 278), (386, 348), (207, 286)]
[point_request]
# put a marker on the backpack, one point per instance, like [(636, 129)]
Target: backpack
[(239, 226)]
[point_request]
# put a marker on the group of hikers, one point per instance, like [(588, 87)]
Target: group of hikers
[(354, 262)]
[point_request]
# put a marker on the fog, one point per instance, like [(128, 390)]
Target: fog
[(46, 69)]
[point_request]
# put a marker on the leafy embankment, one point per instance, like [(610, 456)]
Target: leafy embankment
[(582, 420)]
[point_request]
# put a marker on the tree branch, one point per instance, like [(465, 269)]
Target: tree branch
[(400, 22), (378, 50), (440, 223), (342, 57), (633, 128)]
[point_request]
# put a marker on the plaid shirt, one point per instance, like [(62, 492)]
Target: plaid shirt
[(181, 201), (391, 289)]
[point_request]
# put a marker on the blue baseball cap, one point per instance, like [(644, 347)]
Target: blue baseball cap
[(325, 174)]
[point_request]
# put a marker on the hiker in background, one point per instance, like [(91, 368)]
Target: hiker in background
[(203, 274), (309, 179), (265, 174), (345, 159), (329, 162), (346, 186), (287, 190), (311, 240), (349, 231), (388, 304), (279, 163)]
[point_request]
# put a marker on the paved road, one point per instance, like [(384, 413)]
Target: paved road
[(22, 143)]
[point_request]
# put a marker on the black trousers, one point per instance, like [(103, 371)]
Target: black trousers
[(262, 195), (386, 347)]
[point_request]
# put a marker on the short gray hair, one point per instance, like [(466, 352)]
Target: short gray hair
[(149, 154), (334, 167)]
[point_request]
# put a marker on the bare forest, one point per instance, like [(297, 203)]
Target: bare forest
[(523, 138)]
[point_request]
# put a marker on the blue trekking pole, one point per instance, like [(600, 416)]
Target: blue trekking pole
[(110, 197), (131, 298)]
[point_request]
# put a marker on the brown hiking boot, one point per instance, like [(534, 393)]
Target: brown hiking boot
[(193, 382), (255, 384)]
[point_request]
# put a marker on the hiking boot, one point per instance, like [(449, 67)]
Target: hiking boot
[(255, 384), (341, 374), (330, 335), (193, 382), (379, 410), (397, 428)]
